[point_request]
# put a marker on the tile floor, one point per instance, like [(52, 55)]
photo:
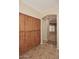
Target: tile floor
[(44, 51)]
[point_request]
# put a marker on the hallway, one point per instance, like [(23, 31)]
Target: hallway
[(44, 51), (38, 29)]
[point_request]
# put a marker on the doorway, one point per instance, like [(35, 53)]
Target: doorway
[(52, 34), (52, 31)]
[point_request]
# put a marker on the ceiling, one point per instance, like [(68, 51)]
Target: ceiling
[(43, 5)]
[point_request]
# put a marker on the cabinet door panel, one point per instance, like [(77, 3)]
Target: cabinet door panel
[(21, 22), (38, 24), (37, 37), (21, 42), (28, 23), (33, 24), (32, 39), (27, 40)]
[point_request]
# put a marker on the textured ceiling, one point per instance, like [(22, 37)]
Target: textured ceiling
[(42, 5)]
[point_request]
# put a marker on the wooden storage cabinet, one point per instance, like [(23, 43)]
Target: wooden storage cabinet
[(29, 33)]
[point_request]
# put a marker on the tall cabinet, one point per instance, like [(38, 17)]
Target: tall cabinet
[(29, 32)]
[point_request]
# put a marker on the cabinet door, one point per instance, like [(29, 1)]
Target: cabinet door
[(21, 42), (28, 23), (27, 37), (28, 40), (33, 39), (37, 37), (21, 22), (33, 23), (37, 24)]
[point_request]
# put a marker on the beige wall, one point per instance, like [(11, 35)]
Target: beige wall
[(44, 29)]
